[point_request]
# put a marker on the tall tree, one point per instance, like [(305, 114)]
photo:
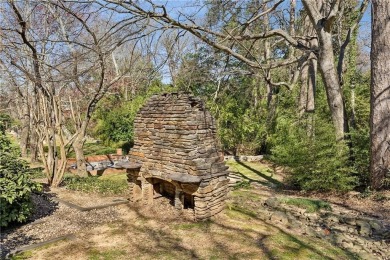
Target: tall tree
[(380, 94), (63, 51), (238, 41)]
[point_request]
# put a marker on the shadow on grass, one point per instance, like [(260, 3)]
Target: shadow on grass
[(152, 235), (268, 179), (221, 239), (273, 253)]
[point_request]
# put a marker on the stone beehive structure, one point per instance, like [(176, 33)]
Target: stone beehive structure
[(176, 146)]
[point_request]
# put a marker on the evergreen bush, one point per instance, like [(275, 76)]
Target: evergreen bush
[(15, 184), (316, 161)]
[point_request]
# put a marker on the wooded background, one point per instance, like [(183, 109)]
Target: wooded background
[(290, 79)]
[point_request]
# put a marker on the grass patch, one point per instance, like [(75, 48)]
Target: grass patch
[(106, 255), (242, 185), (94, 149), (238, 212), (245, 195), (286, 246), (23, 255), (254, 172), (204, 226), (217, 254), (114, 177), (308, 204), (107, 185)]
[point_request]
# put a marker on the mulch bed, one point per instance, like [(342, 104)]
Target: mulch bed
[(53, 219)]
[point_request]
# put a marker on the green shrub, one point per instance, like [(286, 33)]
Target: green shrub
[(317, 161), (37, 173), (307, 146), (15, 185), (115, 117), (241, 128), (95, 184), (5, 122)]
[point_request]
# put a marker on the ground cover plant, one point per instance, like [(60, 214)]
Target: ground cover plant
[(309, 204), (109, 184)]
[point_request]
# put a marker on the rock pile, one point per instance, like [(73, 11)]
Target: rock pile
[(176, 144), (361, 235)]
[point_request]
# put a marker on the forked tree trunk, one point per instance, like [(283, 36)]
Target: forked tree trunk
[(380, 94), (332, 84), (326, 63)]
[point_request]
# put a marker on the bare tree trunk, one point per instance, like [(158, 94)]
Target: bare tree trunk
[(34, 138), (311, 84), (291, 49), (78, 147), (302, 102), (79, 139), (33, 146), (60, 159), (271, 96), (308, 73), (380, 94), (24, 135)]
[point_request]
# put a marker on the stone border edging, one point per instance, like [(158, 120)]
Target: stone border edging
[(244, 158), (71, 205), (40, 244)]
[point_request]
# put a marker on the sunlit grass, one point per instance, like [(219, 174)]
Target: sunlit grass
[(255, 172), (94, 149), (106, 254), (309, 204)]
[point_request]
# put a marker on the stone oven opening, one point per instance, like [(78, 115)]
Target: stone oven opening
[(189, 201), (175, 154), (162, 188)]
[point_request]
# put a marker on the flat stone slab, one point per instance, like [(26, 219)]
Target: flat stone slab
[(128, 165), (184, 178)]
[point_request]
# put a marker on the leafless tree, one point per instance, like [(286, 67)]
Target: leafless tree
[(65, 51)]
